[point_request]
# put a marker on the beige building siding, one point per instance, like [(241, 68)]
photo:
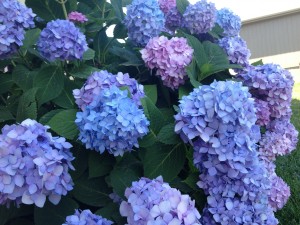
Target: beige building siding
[(275, 39)]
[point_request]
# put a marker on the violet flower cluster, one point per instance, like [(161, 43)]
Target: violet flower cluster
[(169, 57), (201, 17), (236, 50), (229, 22), (144, 20), (219, 121), (166, 5), (262, 112), (33, 165), (14, 19), (272, 84), (86, 217), (112, 122), (152, 202), (174, 19), (77, 17), (61, 40), (98, 81)]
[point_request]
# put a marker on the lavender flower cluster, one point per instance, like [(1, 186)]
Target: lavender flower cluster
[(229, 22), (61, 40), (174, 19), (77, 17), (112, 121), (236, 50), (166, 5), (169, 57), (200, 17), (14, 19), (272, 88), (219, 121), (144, 20), (98, 81), (86, 217), (33, 165), (152, 202)]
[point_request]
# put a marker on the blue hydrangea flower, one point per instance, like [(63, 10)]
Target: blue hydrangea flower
[(236, 50), (97, 81), (33, 165), (174, 19), (86, 217), (229, 22), (14, 18), (270, 83), (112, 121), (153, 202), (200, 17), (144, 20), (61, 40)]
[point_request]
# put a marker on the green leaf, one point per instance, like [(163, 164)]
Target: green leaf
[(63, 123), (164, 160), (120, 31), (80, 162), (50, 80), (184, 90), (27, 107), (23, 77), (167, 135), (151, 92), (148, 140), (154, 115), (83, 71), (92, 192), (5, 82), (258, 63), (89, 54), (13, 212), (55, 214), (181, 5), (117, 5), (100, 164), (128, 55), (192, 180), (5, 114), (192, 72), (21, 221), (48, 116), (66, 99), (111, 211), (101, 43), (31, 37)]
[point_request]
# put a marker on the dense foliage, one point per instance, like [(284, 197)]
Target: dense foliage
[(154, 116)]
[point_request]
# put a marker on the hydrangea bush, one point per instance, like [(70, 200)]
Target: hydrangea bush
[(144, 126)]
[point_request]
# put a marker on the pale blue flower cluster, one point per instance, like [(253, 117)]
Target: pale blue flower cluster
[(112, 121), (144, 20), (98, 81), (86, 217), (219, 121), (33, 165), (61, 40), (229, 22), (153, 202), (201, 17), (236, 50), (14, 19)]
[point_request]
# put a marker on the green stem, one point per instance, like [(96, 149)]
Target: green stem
[(62, 2), (14, 64)]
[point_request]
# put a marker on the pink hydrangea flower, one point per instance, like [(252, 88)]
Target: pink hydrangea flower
[(279, 194), (169, 57), (77, 17)]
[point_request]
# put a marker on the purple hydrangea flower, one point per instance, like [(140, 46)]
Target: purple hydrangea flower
[(61, 40), (229, 22), (112, 121), (152, 202), (174, 19), (236, 50), (169, 57), (144, 20), (280, 138), (86, 217), (270, 83), (279, 194), (200, 18), (166, 5), (97, 81), (262, 112), (14, 18), (33, 165), (77, 17)]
